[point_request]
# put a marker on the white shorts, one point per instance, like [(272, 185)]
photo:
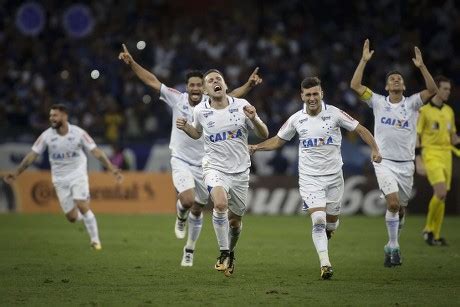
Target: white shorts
[(186, 176), (322, 192), (236, 185), (68, 191), (395, 177)]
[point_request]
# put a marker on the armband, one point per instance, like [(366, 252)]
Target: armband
[(366, 95)]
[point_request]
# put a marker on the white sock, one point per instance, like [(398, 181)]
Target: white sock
[(234, 235), (182, 213), (79, 216), (91, 226), (392, 221), (319, 237), (195, 223), (402, 221), (220, 223), (333, 226)]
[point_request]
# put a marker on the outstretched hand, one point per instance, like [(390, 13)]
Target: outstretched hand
[(254, 78), (376, 157), (125, 55), (118, 176), (252, 149), (181, 123), (367, 53), (418, 60)]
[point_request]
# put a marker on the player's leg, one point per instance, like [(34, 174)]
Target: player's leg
[(440, 193), (236, 226), (195, 223), (218, 186), (436, 174), (184, 183), (388, 184), (334, 194), (80, 194)]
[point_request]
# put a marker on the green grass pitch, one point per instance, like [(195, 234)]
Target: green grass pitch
[(44, 260)]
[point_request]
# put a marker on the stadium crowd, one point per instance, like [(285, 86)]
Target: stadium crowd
[(288, 40)]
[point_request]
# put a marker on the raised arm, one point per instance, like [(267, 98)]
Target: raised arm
[(260, 128), (147, 77), (191, 131), (25, 163), (367, 137), (356, 81), (254, 80), (270, 144), (431, 88), (102, 157)]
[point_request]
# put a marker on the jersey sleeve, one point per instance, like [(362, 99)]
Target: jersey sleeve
[(40, 144), (196, 120), (287, 131), (87, 141), (421, 121), (415, 101), (345, 121), (370, 97), (169, 95)]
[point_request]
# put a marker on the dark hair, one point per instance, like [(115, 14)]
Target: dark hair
[(60, 107), (193, 73), (440, 78), (393, 72), (310, 82), (213, 70)]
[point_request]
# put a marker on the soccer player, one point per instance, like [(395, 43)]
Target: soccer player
[(225, 122), (395, 119), (186, 153), (320, 162), (437, 132), (65, 143)]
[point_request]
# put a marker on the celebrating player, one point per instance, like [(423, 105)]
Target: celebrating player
[(186, 153), (395, 132), (320, 162), (437, 132), (69, 168), (225, 122)]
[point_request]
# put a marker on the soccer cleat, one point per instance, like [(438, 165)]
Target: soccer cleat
[(387, 259), (96, 246), (187, 258), (440, 242), (326, 272), (231, 265), (428, 237), (396, 257), (179, 228), (329, 234), (222, 261)]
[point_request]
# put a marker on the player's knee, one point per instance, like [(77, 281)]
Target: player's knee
[(235, 223), (71, 218), (332, 226), (318, 219), (196, 210), (440, 194), (393, 204)]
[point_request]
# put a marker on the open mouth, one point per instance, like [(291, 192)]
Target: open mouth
[(195, 96), (217, 88)]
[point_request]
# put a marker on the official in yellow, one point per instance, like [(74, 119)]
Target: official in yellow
[(437, 134)]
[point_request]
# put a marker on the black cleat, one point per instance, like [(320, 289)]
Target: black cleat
[(387, 259), (222, 261), (231, 265), (440, 242), (429, 238), (396, 257), (326, 272)]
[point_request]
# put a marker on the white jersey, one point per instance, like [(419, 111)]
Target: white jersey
[(225, 134), (66, 156), (395, 125), (181, 145), (319, 139)]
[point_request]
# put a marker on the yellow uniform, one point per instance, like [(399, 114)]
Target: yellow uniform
[(435, 126)]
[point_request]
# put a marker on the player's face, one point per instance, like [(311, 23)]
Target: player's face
[(214, 85), (312, 97), (195, 89), (57, 118), (395, 83), (444, 90)]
